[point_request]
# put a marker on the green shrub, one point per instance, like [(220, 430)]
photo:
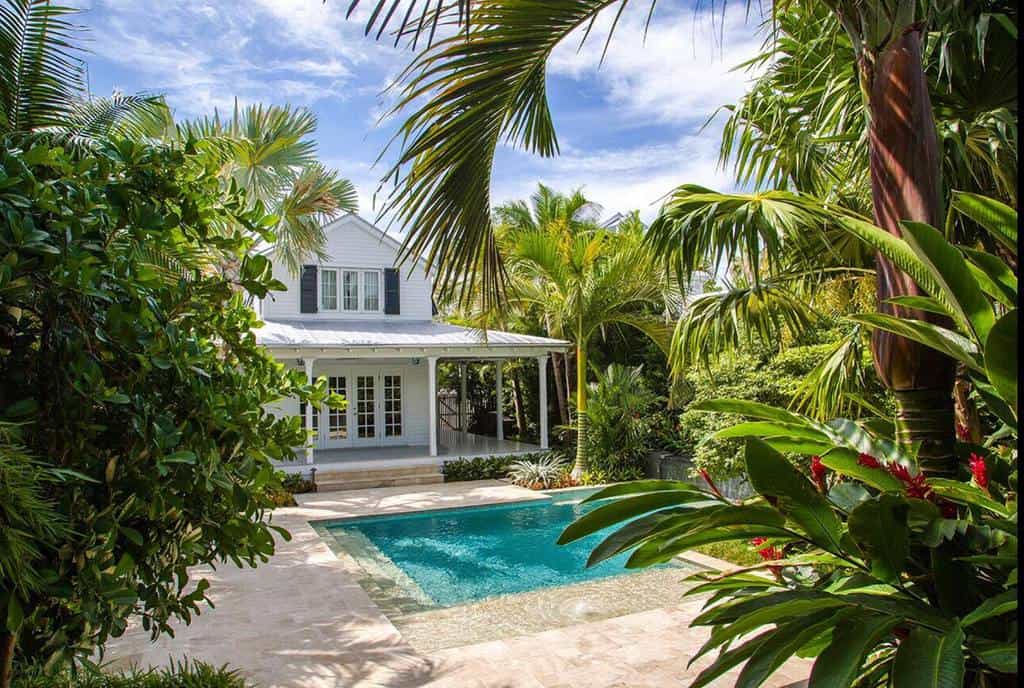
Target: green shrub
[(131, 371), (619, 408), (540, 472), (184, 674), (483, 467), (291, 484)]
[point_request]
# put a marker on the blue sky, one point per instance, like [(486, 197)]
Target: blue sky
[(629, 131)]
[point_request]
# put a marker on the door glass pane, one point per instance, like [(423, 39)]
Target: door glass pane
[(329, 290), (392, 405), (302, 419), (371, 291), (337, 419), (350, 289), (366, 422)]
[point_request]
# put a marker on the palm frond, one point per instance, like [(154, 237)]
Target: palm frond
[(120, 115), (829, 389), (483, 87), (41, 78), (724, 321)]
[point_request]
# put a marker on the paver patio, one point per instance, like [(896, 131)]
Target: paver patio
[(302, 620)]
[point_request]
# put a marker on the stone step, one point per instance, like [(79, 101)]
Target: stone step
[(333, 475), (353, 483)]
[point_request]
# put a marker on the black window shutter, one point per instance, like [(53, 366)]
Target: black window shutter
[(392, 300), (307, 289)]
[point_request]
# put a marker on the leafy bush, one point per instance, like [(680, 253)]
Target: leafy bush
[(619, 424), (481, 467), (762, 376), (131, 371), (184, 674), (290, 484), (540, 472)]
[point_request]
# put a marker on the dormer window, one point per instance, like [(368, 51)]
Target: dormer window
[(357, 290)]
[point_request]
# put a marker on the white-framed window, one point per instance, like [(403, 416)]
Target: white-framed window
[(328, 290), (337, 419), (366, 417), (371, 291), (350, 290), (355, 290)]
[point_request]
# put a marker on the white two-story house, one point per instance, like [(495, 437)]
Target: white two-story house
[(370, 329)]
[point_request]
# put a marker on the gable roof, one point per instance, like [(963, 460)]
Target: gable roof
[(374, 231)]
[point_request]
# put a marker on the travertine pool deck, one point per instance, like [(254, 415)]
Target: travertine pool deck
[(303, 620)]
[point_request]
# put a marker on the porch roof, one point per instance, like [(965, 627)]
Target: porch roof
[(394, 334)]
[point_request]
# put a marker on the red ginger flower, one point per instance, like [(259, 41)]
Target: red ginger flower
[(768, 553), (818, 471), (916, 485), (979, 470), (867, 460)]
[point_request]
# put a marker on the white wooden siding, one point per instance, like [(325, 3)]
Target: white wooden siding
[(354, 243)]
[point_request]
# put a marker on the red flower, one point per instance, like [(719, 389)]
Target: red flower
[(818, 471), (916, 485), (979, 470), (768, 553), (868, 460), (711, 483)]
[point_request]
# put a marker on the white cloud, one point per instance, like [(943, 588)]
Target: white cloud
[(683, 71)]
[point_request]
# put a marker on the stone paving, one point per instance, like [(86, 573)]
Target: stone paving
[(303, 620)]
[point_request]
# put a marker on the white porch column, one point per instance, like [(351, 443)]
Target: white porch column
[(542, 370), (432, 402), (310, 410), (499, 400), (463, 405)]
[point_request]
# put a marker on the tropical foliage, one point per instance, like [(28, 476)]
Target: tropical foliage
[(884, 575), (133, 382), (180, 674), (619, 412), (539, 473)]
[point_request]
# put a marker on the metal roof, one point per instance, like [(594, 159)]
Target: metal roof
[(391, 333)]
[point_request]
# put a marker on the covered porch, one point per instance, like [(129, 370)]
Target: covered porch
[(398, 414)]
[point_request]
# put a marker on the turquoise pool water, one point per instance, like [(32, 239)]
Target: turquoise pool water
[(467, 554)]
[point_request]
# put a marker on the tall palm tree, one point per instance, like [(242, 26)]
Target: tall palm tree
[(268, 150), (558, 215), (486, 84), (585, 280)]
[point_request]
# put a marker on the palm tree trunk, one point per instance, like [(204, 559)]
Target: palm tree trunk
[(557, 363), (7, 643), (904, 163), (517, 402), (580, 467)]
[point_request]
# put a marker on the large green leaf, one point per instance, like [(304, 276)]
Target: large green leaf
[(960, 292), (641, 487), (727, 660), (624, 509), (775, 478), (841, 661), (880, 528), (844, 462), (998, 218), (966, 493), (767, 429), (1001, 358), (995, 277), (783, 645), (951, 343), (1003, 603), (754, 409), (1001, 656), (930, 660)]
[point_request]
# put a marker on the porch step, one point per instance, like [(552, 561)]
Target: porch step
[(423, 474)]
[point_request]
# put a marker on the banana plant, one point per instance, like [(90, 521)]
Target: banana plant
[(879, 573)]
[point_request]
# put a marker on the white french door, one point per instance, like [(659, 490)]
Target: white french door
[(375, 413)]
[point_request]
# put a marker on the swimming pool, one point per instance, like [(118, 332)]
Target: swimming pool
[(450, 557)]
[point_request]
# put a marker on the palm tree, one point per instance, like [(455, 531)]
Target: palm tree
[(558, 215), (269, 152), (42, 85), (486, 84), (584, 279)]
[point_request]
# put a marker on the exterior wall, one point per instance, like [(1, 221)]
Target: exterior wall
[(415, 403), (354, 243)]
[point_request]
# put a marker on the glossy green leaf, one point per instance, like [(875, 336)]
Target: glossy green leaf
[(623, 509), (773, 477), (998, 218), (1001, 358), (995, 277), (1001, 656), (753, 409), (960, 292), (790, 637), (641, 487), (841, 661), (769, 430), (939, 338), (1003, 603), (845, 462), (966, 493), (880, 528), (930, 660)]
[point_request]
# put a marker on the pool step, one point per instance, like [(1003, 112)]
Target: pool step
[(422, 474)]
